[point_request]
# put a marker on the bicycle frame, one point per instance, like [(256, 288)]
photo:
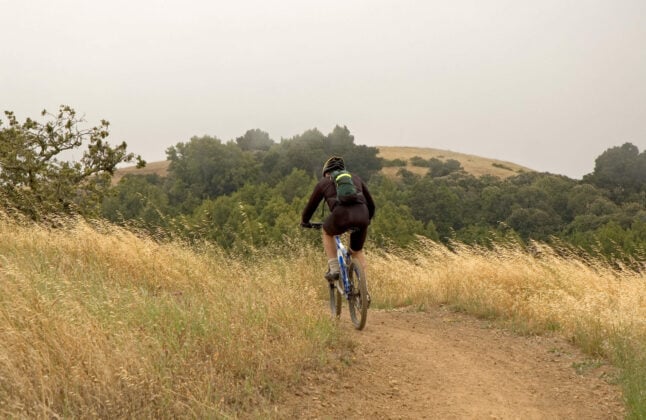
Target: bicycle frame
[(343, 255)]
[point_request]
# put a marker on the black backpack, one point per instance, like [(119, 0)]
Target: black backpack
[(346, 192)]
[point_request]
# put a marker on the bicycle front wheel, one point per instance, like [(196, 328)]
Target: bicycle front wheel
[(358, 300)]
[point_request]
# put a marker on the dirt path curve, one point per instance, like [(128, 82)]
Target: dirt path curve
[(443, 365)]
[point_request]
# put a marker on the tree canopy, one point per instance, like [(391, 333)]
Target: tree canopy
[(621, 170), (245, 191), (36, 180)]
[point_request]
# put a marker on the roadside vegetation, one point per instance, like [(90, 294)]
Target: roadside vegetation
[(100, 321), (96, 321)]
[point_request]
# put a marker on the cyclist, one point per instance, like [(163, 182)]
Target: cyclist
[(342, 217)]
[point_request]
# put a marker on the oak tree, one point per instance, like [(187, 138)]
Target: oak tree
[(36, 180)]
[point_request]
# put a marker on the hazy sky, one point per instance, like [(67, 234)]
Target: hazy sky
[(547, 84)]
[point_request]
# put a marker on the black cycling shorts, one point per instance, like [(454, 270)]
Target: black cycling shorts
[(346, 217)]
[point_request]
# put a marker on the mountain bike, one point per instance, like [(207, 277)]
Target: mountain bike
[(351, 285)]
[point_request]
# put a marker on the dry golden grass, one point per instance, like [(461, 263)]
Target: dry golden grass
[(542, 290), (475, 165), (601, 309), (103, 323), (160, 168)]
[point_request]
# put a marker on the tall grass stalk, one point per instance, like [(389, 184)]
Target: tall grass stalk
[(600, 308), (101, 322)]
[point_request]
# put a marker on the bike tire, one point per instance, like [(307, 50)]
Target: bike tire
[(359, 300), (336, 300)]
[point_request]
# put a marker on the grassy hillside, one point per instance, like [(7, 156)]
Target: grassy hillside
[(159, 168), (101, 322), (474, 165)]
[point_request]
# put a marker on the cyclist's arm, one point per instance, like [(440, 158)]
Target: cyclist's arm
[(312, 204), (369, 201)]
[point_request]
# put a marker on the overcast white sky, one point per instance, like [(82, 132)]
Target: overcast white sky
[(547, 84)]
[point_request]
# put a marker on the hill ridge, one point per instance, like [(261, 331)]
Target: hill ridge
[(473, 164)]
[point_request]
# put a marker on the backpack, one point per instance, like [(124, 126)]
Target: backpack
[(346, 192)]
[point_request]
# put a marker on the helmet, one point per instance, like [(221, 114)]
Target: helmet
[(335, 163)]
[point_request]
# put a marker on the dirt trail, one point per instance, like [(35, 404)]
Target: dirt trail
[(443, 365)]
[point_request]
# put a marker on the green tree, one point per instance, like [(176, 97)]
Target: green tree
[(421, 162), (620, 170), (534, 223), (615, 242), (255, 140), (205, 168), (581, 197), (432, 201), (279, 219), (363, 161), (294, 186), (557, 191), (496, 202), (37, 181), (389, 163), (395, 224), (212, 220), (438, 168), (255, 215), (139, 199), (407, 177), (309, 151)]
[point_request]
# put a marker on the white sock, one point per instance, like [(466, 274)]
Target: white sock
[(333, 264)]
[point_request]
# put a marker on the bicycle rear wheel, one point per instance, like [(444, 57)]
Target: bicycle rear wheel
[(336, 299), (359, 300)]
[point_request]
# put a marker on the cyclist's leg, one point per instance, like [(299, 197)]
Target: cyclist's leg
[(329, 244), (330, 229), (333, 267), (357, 239)]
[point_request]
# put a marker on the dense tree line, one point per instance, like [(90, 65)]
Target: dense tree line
[(251, 190)]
